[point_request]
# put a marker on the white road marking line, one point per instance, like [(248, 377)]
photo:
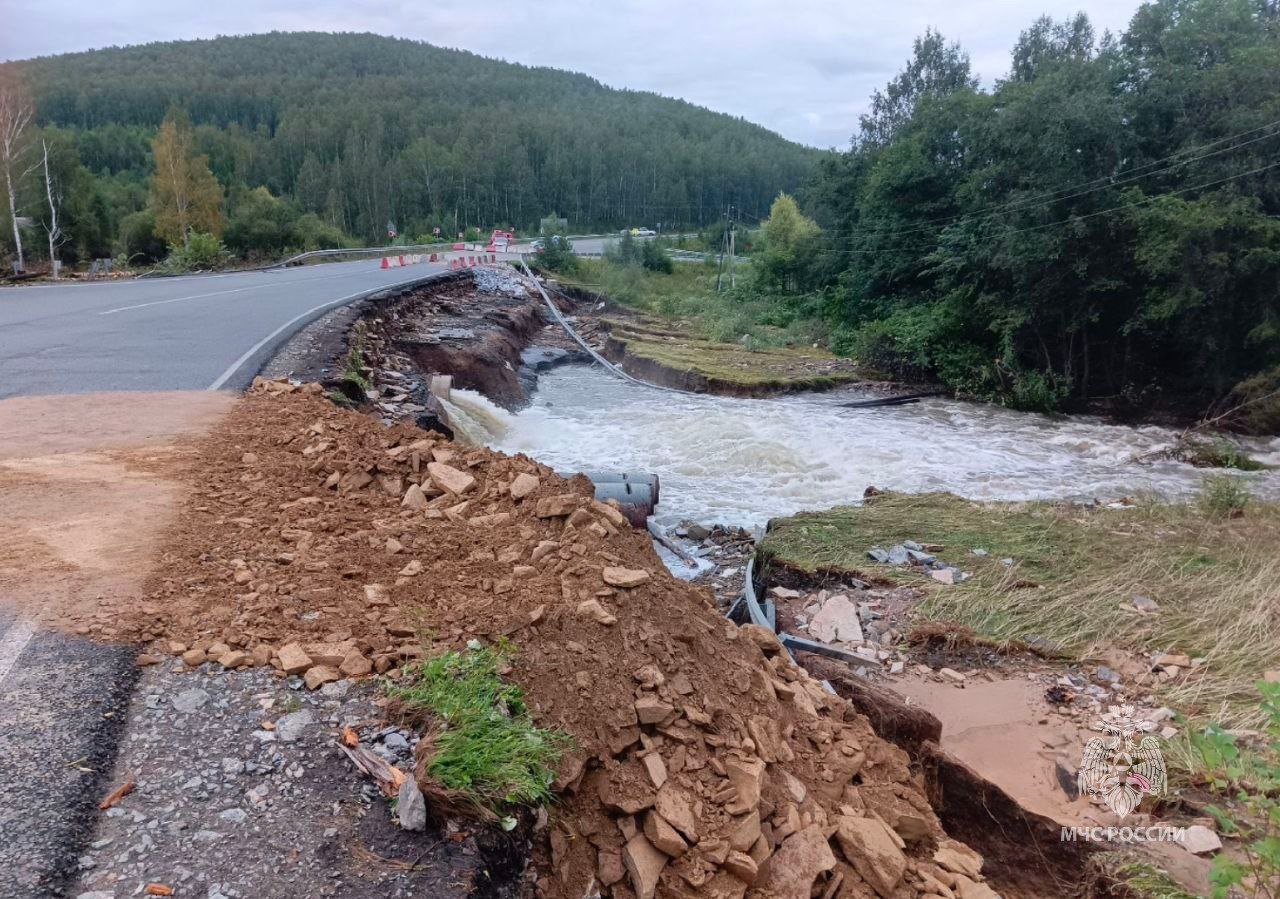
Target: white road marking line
[(11, 645), (248, 354), (194, 296)]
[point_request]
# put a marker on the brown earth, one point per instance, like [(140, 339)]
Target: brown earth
[(87, 493), (706, 763)]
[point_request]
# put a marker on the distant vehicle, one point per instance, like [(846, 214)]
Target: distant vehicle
[(500, 240), (641, 232)]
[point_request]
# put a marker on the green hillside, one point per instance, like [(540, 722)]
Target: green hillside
[(363, 130)]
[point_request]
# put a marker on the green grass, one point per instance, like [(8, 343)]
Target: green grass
[(785, 367), (486, 745), (1141, 880), (743, 316), (1076, 569)]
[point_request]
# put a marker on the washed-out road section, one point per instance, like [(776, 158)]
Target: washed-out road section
[(187, 333)]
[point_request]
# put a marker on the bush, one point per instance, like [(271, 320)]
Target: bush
[(138, 241), (202, 253), (1258, 403), (1224, 496), (557, 255), (310, 232), (655, 258)]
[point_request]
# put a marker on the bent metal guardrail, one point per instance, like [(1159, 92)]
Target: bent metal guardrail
[(355, 251)]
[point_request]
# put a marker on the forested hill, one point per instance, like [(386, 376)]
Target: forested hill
[(363, 130)]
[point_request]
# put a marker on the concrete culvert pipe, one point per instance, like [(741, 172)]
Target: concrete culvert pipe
[(635, 498), (612, 477)]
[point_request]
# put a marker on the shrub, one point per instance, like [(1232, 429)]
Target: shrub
[(655, 258), (202, 253), (557, 255), (1224, 496), (1257, 401), (138, 240)]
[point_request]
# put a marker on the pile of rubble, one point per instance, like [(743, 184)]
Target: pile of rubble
[(501, 280), (912, 553), (705, 762)]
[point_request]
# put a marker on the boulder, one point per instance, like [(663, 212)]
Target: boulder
[(414, 498), (319, 675), (791, 871), (868, 846), (411, 807), (293, 659), (523, 485), (1198, 839), (450, 479), (644, 863), (837, 621), (592, 609), (675, 806), (747, 777), (663, 836), (557, 506), (650, 709)]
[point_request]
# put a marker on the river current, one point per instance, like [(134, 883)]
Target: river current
[(743, 461)]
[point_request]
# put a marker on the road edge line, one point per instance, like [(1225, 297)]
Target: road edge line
[(309, 315)]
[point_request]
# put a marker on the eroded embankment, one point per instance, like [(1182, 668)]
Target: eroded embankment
[(704, 762), (473, 328), (669, 353)]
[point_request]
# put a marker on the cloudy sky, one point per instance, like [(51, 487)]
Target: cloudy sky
[(804, 68)]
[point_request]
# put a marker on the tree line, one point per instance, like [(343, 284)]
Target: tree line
[(324, 137), (1098, 229)]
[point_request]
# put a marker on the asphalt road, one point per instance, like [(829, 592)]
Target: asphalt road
[(62, 707), (188, 333)]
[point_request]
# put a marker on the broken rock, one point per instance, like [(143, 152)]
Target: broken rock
[(625, 577), (644, 863), (319, 675), (557, 506), (523, 485), (837, 621), (790, 873), (449, 479), (867, 845)]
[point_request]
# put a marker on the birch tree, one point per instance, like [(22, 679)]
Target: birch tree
[(184, 194), (16, 112), (54, 197)]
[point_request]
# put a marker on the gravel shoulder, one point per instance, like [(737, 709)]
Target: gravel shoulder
[(241, 791)]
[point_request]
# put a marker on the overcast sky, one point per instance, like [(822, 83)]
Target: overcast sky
[(804, 68)]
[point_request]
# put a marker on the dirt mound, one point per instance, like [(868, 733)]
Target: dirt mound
[(706, 763)]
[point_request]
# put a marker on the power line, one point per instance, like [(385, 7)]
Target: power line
[(1077, 218), (1102, 183)]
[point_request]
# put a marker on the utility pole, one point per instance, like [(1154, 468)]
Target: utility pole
[(733, 281), (726, 245)]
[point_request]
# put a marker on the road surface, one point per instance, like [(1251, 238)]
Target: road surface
[(189, 333)]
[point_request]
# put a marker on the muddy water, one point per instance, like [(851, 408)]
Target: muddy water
[(742, 462)]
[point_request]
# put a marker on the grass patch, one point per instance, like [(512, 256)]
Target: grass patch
[(1075, 571), (1139, 880), (486, 745), (670, 345), (688, 295), (353, 365)]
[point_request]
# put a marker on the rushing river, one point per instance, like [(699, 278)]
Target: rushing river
[(739, 461)]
